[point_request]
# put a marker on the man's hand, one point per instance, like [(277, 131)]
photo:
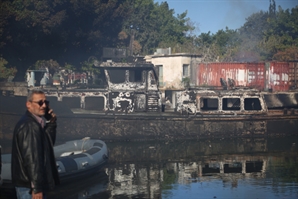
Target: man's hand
[(54, 117), (37, 195), (51, 116)]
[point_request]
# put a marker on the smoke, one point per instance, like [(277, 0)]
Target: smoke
[(239, 10)]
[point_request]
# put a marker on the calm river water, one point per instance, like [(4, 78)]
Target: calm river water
[(186, 169)]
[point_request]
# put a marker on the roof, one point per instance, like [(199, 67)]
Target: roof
[(126, 65), (173, 55)]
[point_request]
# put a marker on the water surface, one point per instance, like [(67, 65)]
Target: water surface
[(221, 169)]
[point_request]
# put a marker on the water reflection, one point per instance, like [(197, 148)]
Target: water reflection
[(242, 168), (96, 185)]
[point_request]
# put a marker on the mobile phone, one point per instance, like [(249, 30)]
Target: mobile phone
[(47, 115)]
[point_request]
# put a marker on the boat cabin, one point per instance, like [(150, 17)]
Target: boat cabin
[(121, 87), (221, 102)]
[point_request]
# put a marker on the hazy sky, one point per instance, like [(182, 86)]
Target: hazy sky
[(213, 15)]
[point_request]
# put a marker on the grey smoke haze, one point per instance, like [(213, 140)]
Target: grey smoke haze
[(213, 15), (242, 9), (239, 10)]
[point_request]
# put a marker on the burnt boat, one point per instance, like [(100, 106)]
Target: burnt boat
[(237, 102), (74, 159), (203, 101)]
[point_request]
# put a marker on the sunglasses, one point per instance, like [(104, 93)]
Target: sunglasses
[(40, 102)]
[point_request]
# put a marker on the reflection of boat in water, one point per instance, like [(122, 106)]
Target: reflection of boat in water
[(74, 159), (227, 168), (152, 169)]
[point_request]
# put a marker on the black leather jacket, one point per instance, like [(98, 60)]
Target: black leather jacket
[(32, 159)]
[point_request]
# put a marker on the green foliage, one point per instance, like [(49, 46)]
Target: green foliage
[(186, 82), (269, 33), (69, 67), (169, 178), (5, 71), (286, 55), (87, 66), (52, 65), (284, 170), (71, 31), (264, 36), (154, 25), (66, 31)]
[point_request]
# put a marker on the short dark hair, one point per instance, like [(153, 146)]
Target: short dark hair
[(32, 92)]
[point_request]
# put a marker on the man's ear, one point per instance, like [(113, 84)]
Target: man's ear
[(28, 104)]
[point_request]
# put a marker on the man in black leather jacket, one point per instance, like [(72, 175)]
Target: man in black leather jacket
[(33, 165)]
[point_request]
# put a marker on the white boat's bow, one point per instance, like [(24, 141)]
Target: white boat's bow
[(76, 158)]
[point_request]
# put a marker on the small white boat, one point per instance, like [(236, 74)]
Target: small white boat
[(74, 159), (79, 158)]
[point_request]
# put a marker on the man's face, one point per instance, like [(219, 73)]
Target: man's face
[(37, 105)]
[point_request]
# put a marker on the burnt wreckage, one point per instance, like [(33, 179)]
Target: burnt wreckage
[(128, 88), (127, 93), (123, 87), (223, 102)]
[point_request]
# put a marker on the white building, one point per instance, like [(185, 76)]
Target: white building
[(176, 72)]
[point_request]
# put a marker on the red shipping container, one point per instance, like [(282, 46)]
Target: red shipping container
[(275, 76), (278, 76), (243, 74)]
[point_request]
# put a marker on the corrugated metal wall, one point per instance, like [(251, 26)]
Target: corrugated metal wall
[(256, 74), (278, 76), (278, 79)]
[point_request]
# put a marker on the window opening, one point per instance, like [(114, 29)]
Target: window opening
[(117, 76), (71, 102), (252, 104), (211, 168), (185, 70), (231, 104), (136, 75), (209, 104), (254, 166), (235, 167), (94, 103), (160, 75)]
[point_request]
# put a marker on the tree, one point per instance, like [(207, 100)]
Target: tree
[(154, 25), (52, 65), (66, 31), (173, 30), (288, 54), (6, 71), (270, 35), (281, 37)]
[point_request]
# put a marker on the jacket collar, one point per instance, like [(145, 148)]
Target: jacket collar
[(36, 117)]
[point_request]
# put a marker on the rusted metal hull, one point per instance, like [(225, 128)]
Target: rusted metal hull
[(165, 126), (205, 114)]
